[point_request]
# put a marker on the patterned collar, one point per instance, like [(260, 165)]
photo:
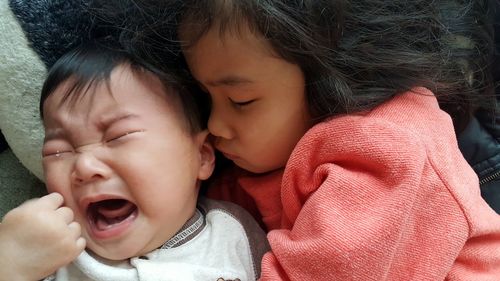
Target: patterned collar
[(190, 229)]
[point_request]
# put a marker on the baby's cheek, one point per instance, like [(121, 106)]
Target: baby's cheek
[(57, 173)]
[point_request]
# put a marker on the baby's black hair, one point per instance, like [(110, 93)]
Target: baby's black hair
[(92, 62)]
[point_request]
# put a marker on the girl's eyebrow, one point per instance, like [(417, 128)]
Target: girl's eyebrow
[(229, 80)]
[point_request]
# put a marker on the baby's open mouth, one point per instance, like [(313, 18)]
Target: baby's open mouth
[(108, 213)]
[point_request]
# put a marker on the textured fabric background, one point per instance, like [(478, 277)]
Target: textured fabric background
[(21, 77), (17, 184), (33, 34)]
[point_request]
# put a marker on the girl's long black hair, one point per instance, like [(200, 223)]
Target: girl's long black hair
[(355, 54)]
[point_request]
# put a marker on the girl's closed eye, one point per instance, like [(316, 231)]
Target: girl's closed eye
[(240, 104)]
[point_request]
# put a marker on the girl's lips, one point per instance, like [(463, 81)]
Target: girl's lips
[(229, 156)]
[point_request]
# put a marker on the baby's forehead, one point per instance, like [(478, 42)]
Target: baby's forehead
[(123, 90), (122, 80), (72, 90)]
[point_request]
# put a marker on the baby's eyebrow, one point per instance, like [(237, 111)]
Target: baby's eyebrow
[(107, 121), (53, 134), (104, 123)]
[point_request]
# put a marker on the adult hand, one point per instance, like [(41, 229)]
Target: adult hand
[(37, 238)]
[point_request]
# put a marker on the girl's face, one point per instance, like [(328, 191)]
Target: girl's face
[(125, 163), (259, 111)]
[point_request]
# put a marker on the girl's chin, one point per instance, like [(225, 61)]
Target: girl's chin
[(252, 168)]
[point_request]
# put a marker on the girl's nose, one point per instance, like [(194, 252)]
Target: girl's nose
[(218, 125), (88, 168)]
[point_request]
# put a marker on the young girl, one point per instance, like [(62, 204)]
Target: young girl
[(330, 110)]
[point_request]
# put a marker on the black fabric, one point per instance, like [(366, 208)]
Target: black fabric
[(482, 151), (53, 27), (496, 57), (490, 193), (3, 142), (480, 141)]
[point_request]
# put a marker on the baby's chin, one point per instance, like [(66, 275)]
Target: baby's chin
[(112, 255), (126, 247), (111, 259)]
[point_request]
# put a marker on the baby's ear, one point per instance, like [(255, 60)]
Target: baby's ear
[(207, 155)]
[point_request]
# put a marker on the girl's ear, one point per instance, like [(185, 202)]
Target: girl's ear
[(207, 156)]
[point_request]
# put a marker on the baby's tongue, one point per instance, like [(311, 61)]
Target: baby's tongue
[(111, 212)]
